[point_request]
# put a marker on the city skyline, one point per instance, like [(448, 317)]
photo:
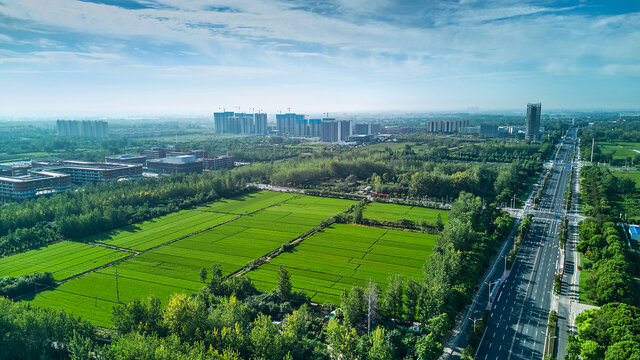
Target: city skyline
[(109, 57)]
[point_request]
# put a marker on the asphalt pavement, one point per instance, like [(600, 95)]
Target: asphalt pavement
[(517, 324)]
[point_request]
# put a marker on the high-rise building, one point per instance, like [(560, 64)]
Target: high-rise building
[(362, 129), (84, 128), (329, 130), (229, 122), (315, 127), (533, 121), (446, 126), (302, 125), (261, 123), (344, 130)]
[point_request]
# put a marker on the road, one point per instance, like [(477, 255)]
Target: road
[(517, 324)]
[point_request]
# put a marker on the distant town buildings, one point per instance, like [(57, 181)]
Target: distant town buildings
[(446, 126), (230, 122), (533, 121), (85, 128)]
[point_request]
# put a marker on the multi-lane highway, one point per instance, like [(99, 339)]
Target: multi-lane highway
[(517, 324)]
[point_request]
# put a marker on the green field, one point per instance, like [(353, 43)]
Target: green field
[(248, 203), (145, 235), (629, 203), (395, 212), (175, 267), (619, 150), (342, 255), (63, 259)]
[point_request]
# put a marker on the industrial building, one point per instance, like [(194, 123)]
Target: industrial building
[(83, 172), (446, 126), (126, 159), (230, 122), (85, 128), (176, 165), (533, 121), (218, 162), (34, 183)]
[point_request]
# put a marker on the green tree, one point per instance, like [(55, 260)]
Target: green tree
[(343, 340), (203, 275), (80, 347), (438, 223), (215, 284), (144, 316), (283, 287), (352, 305), (393, 304), (412, 295), (379, 348), (266, 342), (427, 347)]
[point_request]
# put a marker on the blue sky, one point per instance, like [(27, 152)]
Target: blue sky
[(112, 57)]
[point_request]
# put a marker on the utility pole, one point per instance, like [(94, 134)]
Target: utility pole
[(117, 288), (369, 315), (593, 145)]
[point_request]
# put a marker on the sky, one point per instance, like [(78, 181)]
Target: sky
[(163, 57)]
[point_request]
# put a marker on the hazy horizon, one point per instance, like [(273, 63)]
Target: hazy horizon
[(110, 58)]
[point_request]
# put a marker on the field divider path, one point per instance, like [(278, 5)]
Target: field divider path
[(112, 247)]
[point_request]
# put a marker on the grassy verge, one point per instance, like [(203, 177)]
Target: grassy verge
[(585, 275)]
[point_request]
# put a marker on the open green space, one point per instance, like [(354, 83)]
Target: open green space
[(628, 203), (619, 150), (342, 255), (175, 267), (394, 212), (585, 275), (64, 259)]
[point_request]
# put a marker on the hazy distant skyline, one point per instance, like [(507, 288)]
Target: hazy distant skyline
[(110, 57)]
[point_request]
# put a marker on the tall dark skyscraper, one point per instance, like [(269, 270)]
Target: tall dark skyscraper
[(533, 121)]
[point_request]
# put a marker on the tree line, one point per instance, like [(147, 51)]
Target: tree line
[(95, 208)]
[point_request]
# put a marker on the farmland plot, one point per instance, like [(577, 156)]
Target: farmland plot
[(342, 255), (395, 212), (64, 259)]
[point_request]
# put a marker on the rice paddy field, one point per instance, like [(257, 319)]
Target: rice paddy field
[(175, 267), (342, 255), (394, 212), (64, 259)]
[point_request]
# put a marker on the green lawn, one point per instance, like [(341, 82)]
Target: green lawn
[(175, 268), (63, 259), (342, 255), (584, 276), (395, 212), (619, 150), (629, 203)]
